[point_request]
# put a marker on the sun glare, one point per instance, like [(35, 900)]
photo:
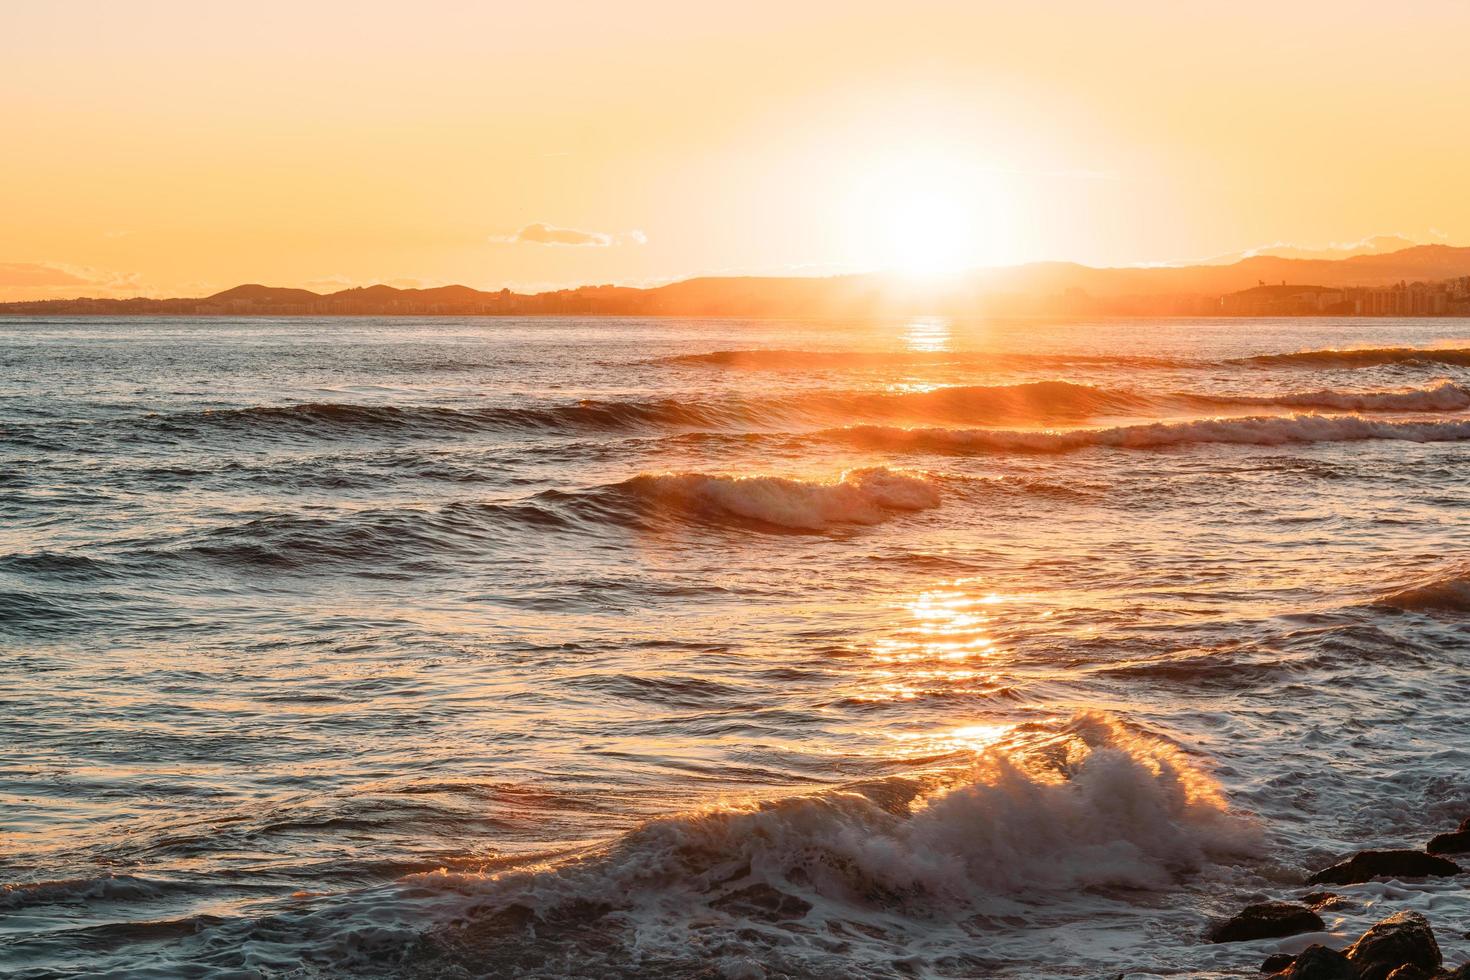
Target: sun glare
[(928, 216)]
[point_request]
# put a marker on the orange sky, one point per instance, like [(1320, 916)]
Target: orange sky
[(179, 148)]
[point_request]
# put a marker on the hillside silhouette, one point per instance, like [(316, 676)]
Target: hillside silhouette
[(1051, 288)]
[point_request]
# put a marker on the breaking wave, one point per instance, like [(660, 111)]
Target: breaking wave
[(1255, 431), (1084, 805), (864, 496), (1363, 357)]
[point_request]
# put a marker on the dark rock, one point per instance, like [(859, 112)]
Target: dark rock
[(1367, 865), (1456, 843), (1319, 963), (1266, 921), (1277, 962), (1410, 973), (1327, 900), (1464, 824), (1404, 939), (1461, 972)]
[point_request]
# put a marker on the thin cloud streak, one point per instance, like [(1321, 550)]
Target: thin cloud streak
[(540, 233)]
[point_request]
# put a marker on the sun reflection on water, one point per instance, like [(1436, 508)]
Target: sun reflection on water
[(966, 738), (928, 334)]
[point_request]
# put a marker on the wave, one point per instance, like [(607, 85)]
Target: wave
[(1446, 593), (391, 543), (797, 360), (921, 868), (863, 496), (1036, 402), (70, 891), (329, 418), (1362, 357), (1083, 805), (1444, 397), (1254, 431)]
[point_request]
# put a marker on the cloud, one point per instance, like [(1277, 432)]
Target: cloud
[(540, 233), (44, 280), (38, 275), (1369, 245)]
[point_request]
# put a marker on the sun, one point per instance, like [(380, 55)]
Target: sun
[(925, 215), (926, 232)]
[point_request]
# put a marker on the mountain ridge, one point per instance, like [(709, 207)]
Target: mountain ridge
[(1038, 287)]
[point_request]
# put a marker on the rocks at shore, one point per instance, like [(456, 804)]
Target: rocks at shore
[(1452, 843), (1398, 941), (1319, 963), (1267, 921), (1455, 842), (1411, 973), (1401, 947), (1367, 865), (1320, 901)]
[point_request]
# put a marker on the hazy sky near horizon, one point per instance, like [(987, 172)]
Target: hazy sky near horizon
[(173, 148)]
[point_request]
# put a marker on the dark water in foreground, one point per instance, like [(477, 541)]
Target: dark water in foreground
[(720, 649)]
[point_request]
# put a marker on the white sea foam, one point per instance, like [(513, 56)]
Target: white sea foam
[(863, 496), (1084, 805)]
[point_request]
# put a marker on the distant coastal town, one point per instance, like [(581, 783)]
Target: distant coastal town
[(1448, 297)]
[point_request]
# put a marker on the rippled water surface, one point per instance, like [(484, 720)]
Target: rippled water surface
[(476, 647)]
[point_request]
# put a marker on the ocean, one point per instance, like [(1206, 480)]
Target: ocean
[(710, 648)]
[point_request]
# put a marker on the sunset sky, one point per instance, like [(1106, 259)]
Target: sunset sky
[(167, 148)]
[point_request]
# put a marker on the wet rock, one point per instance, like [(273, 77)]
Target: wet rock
[(1327, 900), (1400, 940), (1266, 921), (1461, 972), (1367, 865), (1410, 973), (1277, 962), (1453, 843), (1319, 963)]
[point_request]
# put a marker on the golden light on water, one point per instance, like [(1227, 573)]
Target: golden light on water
[(940, 647), (966, 738), (927, 334)]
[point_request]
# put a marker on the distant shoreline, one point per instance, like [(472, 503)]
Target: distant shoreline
[(1422, 280), (835, 317)]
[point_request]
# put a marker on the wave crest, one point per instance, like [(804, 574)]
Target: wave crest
[(1254, 431), (1087, 804), (1444, 397), (64, 891), (1363, 357), (863, 496), (798, 360), (1446, 593)]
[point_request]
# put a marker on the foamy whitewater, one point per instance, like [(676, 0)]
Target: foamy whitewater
[(664, 648)]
